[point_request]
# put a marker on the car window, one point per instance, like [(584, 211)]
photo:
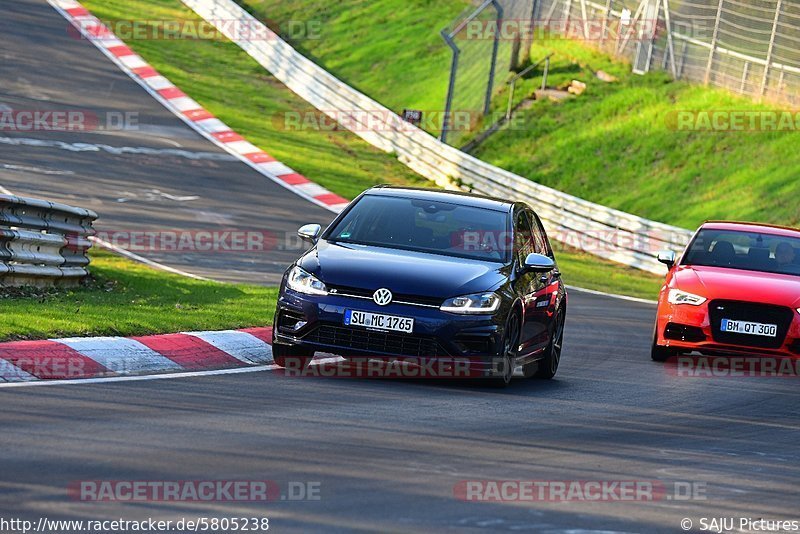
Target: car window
[(523, 237), (540, 243), (425, 226), (754, 251)]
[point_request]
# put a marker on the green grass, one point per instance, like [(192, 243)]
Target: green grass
[(126, 299), (580, 269), (231, 85), (615, 145), (234, 87), (390, 49), (612, 145)]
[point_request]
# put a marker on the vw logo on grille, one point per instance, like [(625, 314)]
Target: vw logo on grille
[(382, 297)]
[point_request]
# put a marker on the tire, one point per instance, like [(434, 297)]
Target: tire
[(548, 367), (509, 355), (289, 357), (659, 353)]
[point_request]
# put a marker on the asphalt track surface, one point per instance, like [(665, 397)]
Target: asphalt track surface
[(387, 454)]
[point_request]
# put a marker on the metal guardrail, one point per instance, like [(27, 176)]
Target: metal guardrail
[(42, 242), (613, 234)]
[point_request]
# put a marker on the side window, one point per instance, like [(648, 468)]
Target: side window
[(540, 242), (523, 239)]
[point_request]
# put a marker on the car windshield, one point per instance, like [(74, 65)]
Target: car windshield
[(752, 251), (425, 226)]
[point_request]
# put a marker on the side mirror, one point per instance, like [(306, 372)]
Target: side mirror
[(667, 257), (310, 232), (538, 263)]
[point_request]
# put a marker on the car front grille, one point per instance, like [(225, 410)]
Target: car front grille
[(747, 311), (396, 297), (381, 343)]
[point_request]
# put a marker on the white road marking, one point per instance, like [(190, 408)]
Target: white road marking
[(158, 82), (5, 191), (173, 197), (144, 378), (142, 259), (212, 125), (121, 355), (184, 103), (116, 150), (37, 170), (12, 374), (133, 62), (276, 168), (611, 295), (243, 147), (241, 345)]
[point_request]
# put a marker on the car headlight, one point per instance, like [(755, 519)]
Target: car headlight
[(477, 303), (676, 296), (303, 282)]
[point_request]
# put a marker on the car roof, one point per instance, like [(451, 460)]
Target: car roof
[(737, 226), (439, 195)]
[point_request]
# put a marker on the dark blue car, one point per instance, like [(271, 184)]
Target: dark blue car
[(429, 275)]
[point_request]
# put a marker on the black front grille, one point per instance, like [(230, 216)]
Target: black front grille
[(747, 311), (397, 297), (377, 342)]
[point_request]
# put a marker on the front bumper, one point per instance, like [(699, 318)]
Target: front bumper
[(696, 328), (317, 323)]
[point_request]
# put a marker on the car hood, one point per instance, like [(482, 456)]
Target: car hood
[(403, 272), (733, 284)]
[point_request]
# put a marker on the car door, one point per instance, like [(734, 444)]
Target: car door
[(547, 293), (528, 285)]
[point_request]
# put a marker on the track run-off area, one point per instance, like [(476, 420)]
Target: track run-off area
[(380, 454)]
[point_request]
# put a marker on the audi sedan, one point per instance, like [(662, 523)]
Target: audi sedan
[(428, 275), (735, 290)]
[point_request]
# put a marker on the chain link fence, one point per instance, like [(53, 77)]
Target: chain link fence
[(750, 47), (488, 41)]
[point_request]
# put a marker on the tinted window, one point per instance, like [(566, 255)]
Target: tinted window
[(745, 250), (523, 237), (424, 226), (539, 236)]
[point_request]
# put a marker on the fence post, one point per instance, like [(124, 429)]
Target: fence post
[(670, 42), (495, 47), (713, 43), (448, 107), (605, 25), (771, 48)]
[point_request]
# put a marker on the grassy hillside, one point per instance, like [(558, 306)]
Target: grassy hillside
[(234, 87), (612, 145)]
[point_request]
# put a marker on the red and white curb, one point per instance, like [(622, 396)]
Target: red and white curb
[(189, 111), (108, 357)]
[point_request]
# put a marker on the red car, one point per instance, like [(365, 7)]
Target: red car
[(735, 290)]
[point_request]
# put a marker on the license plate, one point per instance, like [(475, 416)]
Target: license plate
[(379, 321), (753, 329)]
